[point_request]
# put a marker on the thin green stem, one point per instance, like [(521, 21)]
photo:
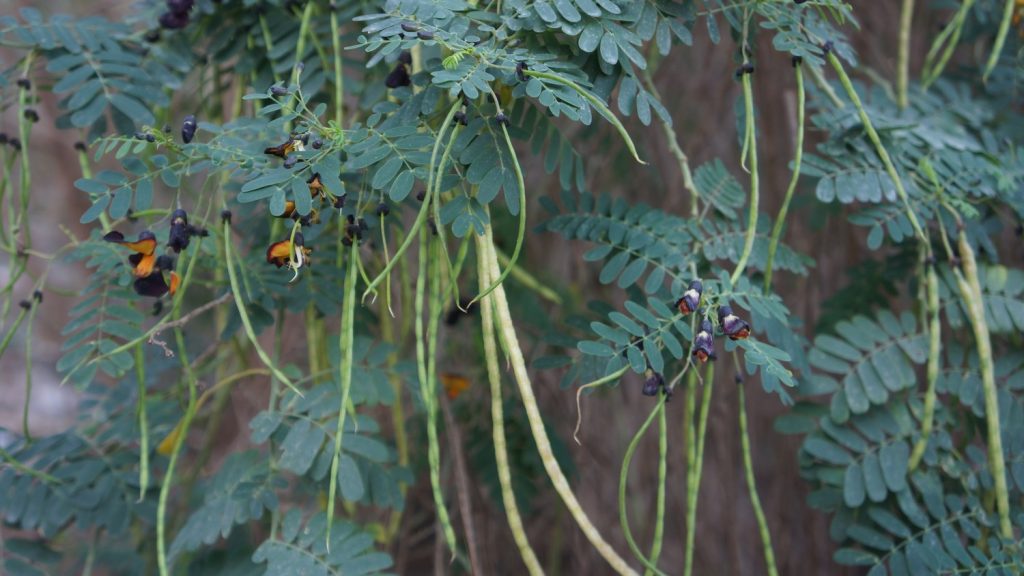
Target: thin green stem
[(339, 79), (345, 340), (652, 567), (13, 462), (673, 145), (755, 500), (997, 47), (598, 105), (508, 496), (750, 145), (421, 216), (579, 392), (521, 234), (659, 517), (506, 330), (693, 487), (945, 43), (243, 314), (780, 220), (28, 371), (140, 377), (934, 351), (903, 54), (168, 481), (869, 127)]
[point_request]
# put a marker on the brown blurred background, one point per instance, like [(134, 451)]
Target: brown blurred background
[(700, 90)]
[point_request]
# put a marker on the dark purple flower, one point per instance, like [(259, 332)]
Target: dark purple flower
[(732, 325), (398, 77), (180, 232), (691, 298), (652, 383), (174, 21), (704, 343)]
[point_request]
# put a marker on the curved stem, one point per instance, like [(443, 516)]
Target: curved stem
[(506, 329), (934, 350), (780, 220), (508, 497), (243, 314), (755, 500), (997, 47), (651, 566), (750, 145), (520, 236), (945, 43), (673, 145), (659, 518), (693, 485), (421, 216), (168, 481), (345, 340), (603, 380), (869, 127), (596, 102)]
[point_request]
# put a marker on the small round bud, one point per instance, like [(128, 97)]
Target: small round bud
[(31, 115), (24, 83), (37, 295), (80, 146), (225, 216)]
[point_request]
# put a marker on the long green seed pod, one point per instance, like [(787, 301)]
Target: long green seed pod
[(508, 497), (507, 331), (345, 340)]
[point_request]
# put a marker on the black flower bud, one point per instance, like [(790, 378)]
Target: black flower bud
[(188, 128), (501, 119), (278, 90), (521, 69), (31, 115), (81, 147), (225, 216), (290, 161), (24, 83), (410, 27), (37, 295), (27, 305), (383, 209), (425, 35), (652, 383)]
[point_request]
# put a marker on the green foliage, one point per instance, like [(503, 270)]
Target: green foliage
[(138, 480)]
